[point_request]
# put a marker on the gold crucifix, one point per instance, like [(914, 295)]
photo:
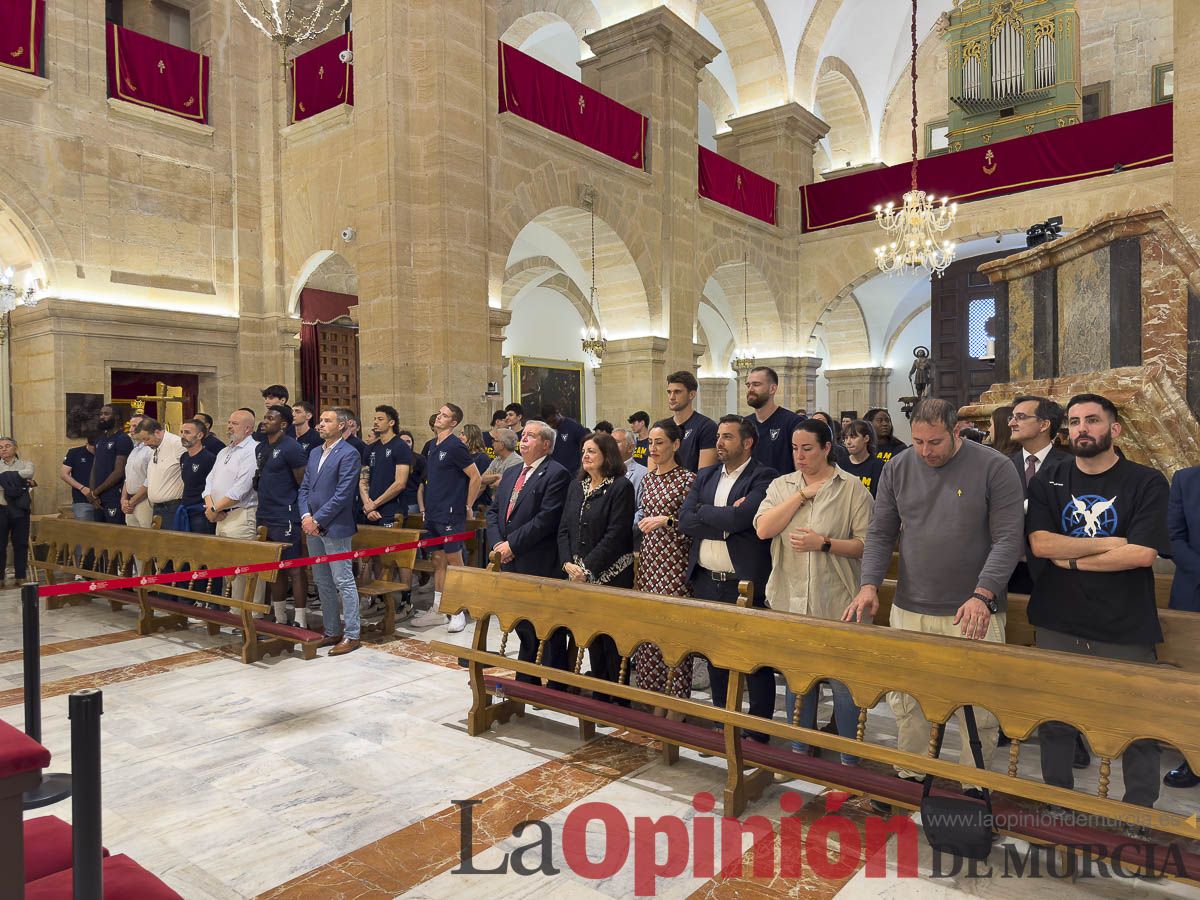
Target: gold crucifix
[(582, 104), (321, 73), (162, 67)]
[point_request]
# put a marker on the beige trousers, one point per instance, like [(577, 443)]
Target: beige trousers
[(912, 728), (142, 515), (242, 524)]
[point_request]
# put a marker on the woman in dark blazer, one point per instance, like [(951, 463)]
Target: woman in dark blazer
[(595, 536)]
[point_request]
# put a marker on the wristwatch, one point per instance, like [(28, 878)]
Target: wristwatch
[(670, 521), (989, 602), (827, 546)]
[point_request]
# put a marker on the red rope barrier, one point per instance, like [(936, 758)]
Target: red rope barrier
[(136, 581)]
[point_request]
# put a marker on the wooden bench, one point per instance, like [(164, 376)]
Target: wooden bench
[(472, 547), (113, 550), (368, 537), (1112, 703)]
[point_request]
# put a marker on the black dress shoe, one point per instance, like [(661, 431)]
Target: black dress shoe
[(1181, 776), (1004, 740), (1083, 759)]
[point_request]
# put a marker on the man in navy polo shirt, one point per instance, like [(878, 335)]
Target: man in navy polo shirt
[(77, 472), (212, 443), (698, 449), (108, 470), (775, 424), (303, 414), (568, 445), (452, 484), (281, 461), (384, 485)]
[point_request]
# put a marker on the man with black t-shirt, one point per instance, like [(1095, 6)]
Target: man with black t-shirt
[(281, 461), (385, 476), (639, 423), (77, 473), (1096, 524), (886, 444), (568, 443), (773, 448), (108, 469), (698, 449), (303, 414), (212, 443)]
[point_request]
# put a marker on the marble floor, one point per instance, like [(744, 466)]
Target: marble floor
[(348, 778)]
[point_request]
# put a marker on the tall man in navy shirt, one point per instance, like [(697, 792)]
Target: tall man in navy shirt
[(568, 443), (698, 449), (775, 424), (108, 470), (384, 484), (281, 461), (452, 484)]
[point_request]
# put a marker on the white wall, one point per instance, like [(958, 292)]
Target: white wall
[(556, 45), (546, 325)]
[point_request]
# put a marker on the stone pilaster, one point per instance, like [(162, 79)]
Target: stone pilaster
[(797, 380), (498, 320), (1186, 28), (632, 376), (652, 63), (713, 396), (779, 144), (856, 389)]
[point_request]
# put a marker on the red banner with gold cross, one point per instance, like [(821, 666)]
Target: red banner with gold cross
[(157, 75), (735, 186), (22, 31), (320, 80)]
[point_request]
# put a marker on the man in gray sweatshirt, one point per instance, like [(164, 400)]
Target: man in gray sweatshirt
[(958, 509)]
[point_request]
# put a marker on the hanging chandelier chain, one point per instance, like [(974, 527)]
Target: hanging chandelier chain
[(746, 296), (278, 20)]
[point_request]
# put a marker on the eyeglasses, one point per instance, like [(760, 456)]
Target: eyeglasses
[(1021, 417)]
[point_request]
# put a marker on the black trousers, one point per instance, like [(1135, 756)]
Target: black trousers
[(14, 527), (555, 654), (761, 684)]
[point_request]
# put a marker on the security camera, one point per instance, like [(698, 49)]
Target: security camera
[(346, 56), (493, 389), (348, 234)]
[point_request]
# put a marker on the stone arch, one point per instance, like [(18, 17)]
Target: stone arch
[(844, 329), (726, 253), (808, 52), (31, 235), (714, 95), (843, 106), (325, 270), (553, 185), (542, 271), (899, 330), (518, 19), (758, 309), (748, 32)]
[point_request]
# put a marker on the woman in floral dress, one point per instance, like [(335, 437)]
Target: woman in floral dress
[(664, 558)]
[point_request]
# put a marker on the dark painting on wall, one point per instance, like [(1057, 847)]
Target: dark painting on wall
[(539, 381), (83, 414)]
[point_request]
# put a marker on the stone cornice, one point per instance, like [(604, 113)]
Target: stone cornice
[(165, 123), (768, 123), (658, 28), (322, 123), (23, 84)]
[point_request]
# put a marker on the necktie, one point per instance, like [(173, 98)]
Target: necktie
[(512, 501), (1030, 469)]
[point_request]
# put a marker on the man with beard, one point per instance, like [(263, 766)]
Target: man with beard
[(108, 470), (1096, 524), (775, 424), (886, 445)]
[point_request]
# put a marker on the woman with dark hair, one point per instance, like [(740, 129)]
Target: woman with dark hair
[(472, 436), (595, 536), (816, 519), (859, 440), (999, 433), (662, 568), (842, 456)]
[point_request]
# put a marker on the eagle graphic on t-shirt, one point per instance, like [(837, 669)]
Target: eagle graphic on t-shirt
[(1096, 516)]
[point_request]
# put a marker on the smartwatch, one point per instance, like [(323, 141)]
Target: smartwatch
[(989, 602), (827, 546)]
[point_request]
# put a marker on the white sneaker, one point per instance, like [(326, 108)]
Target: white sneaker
[(428, 619), (458, 622), (404, 609)]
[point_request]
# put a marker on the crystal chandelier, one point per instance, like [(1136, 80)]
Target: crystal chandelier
[(282, 23), (11, 298), (595, 341), (914, 229), (743, 356)]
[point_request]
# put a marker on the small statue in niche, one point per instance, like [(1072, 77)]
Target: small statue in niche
[(920, 376)]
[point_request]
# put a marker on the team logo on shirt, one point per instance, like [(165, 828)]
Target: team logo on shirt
[(775, 433), (387, 454), (441, 455), (275, 454), (687, 434), (109, 445), (195, 467), (1090, 516)]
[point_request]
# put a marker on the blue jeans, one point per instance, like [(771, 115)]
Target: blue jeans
[(84, 512), (335, 586), (845, 715)]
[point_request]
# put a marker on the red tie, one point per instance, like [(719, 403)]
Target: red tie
[(512, 501), (1030, 470)]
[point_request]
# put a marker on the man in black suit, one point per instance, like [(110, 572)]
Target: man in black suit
[(522, 526), (1034, 423), (719, 514)]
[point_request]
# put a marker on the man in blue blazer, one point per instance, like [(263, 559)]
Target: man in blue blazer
[(718, 513), (522, 526), (1183, 526), (326, 503)]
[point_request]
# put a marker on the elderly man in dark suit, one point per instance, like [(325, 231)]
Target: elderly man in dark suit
[(719, 514), (1183, 526), (522, 526)]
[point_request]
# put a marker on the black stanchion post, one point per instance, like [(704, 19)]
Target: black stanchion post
[(85, 709), (54, 786)]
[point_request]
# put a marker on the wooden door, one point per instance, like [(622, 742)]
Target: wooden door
[(966, 310), (337, 352)]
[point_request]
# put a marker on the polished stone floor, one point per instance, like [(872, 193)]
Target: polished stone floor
[(338, 778)]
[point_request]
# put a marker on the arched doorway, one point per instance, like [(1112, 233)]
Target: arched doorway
[(326, 298)]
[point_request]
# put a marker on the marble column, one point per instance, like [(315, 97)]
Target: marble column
[(632, 376), (857, 389), (652, 63), (797, 380)]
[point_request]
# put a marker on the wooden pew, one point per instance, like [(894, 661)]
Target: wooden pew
[(369, 537), (1112, 703), (472, 547), (114, 549)]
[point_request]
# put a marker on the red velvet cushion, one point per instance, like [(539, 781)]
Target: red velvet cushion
[(47, 847), (20, 753), (123, 880)]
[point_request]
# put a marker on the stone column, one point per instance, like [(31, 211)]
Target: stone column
[(713, 397), (797, 380), (419, 178), (498, 320), (779, 144), (632, 376), (652, 63), (1186, 28), (857, 389)]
